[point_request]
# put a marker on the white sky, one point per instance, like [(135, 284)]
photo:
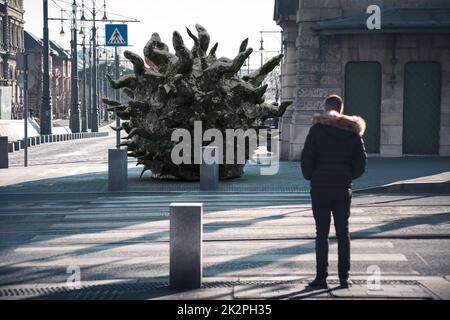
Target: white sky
[(228, 21)]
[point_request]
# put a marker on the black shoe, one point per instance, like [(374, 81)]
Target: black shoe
[(318, 284), (345, 284)]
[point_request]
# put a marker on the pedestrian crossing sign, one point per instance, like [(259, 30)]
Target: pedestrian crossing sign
[(116, 35)]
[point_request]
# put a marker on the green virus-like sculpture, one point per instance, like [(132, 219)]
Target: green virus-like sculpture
[(181, 88)]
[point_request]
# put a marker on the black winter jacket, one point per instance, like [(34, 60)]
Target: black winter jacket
[(334, 154)]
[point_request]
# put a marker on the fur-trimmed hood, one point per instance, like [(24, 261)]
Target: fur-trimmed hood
[(348, 123)]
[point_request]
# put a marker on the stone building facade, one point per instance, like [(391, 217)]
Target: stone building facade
[(60, 77), (397, 78), (11, 42)]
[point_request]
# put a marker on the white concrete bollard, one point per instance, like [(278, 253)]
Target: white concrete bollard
[(186, 246), (117, 170), (209, 169)]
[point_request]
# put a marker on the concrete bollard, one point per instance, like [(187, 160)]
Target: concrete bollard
[(117, 170), (4, 157), (186, 245), (17, 146), (209, 169)]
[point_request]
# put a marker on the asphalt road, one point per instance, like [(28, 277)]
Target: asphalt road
[(126, 236), (57, 214)]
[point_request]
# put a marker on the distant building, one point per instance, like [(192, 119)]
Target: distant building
[(60, 76), (11, 42), (397, 78), (61, 81)]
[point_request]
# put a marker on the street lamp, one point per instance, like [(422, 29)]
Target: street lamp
[(95, 116), (263, 49), (75, 110), (104, 11), (62, 33), (82, 18), (93, 103), (84, 112), (46, 109)]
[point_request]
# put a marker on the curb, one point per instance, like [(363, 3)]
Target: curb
[(410, 187), (427, 288)]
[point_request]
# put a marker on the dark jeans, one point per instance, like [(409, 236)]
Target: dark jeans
[(338, 202)]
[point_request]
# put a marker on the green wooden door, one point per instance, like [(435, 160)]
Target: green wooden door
[(363, 98), (422, 108)]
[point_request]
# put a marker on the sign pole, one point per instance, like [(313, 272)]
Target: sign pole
[(25, 109), (116, 35), (117, 75)]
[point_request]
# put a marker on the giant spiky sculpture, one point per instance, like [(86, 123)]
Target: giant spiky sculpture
[(181, 88)]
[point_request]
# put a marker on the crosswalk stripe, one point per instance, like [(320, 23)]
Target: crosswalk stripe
[(247, 231), (243, 221), (83, 262), (242, 246)]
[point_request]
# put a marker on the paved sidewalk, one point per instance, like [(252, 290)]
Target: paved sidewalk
[(92, 177), (82, 165)]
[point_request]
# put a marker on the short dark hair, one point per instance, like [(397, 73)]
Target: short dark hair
[(335, 103)]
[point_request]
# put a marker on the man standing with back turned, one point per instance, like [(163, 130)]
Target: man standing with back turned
[(334, 155)]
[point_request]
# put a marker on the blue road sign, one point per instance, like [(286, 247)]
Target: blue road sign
[(116, 35)]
